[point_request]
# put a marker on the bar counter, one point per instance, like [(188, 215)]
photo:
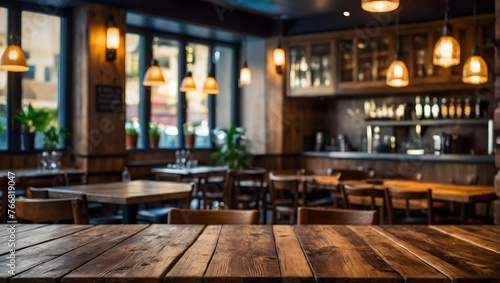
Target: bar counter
[(250, 253)]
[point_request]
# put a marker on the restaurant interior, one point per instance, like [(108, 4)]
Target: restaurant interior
[(374, 122)]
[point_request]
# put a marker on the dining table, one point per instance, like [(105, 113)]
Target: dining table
[(250, 253), (128, 194)]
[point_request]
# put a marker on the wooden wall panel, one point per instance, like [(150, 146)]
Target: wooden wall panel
[(274, 102)]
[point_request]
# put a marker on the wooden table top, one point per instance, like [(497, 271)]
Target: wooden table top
[(31, 173), (246, 253), (440, 191), (134, 192)]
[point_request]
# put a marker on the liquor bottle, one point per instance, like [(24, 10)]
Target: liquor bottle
[(451, 108), (444, 108), (427, 108), (126, 175), (458, 109), (467, 109), (418, 108), (435, 108)]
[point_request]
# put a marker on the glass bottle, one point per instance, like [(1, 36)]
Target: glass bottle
[(451, 108), (467, 109), (126, 175), (458, 108), (427, 108), (444, 108), (418, 108), (435, 108)]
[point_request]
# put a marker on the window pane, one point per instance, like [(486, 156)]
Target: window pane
[(3, 81), (41, 42), (164, 98), (197, 57), (133, 44), (224, 60)]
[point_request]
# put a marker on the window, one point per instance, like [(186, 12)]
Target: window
[(224, 62), (3, 81), (133, 84)]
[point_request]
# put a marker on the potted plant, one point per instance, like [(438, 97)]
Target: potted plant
[(233, 148), (131, 135), (33, 120), (154, 134), (189, 130)]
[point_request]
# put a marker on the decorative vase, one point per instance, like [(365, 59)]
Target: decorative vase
[(189, 141), (28, 141), (153, 141), (131, 141)]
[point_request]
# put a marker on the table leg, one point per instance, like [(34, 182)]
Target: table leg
[(130, 213)]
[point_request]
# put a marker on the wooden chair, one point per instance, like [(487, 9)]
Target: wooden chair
[(285, 195), (415, 176), (213, 217), (392, 194), (325, 216), (212, 189), (244, 189), (51, 210), (361, 194), (347, 174)]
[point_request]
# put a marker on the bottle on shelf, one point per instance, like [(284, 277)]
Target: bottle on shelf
[(467, 109), (427, 108), (458, 108), (444, 108), (126, 175), (435, 108), (451, 108), (418, 108)]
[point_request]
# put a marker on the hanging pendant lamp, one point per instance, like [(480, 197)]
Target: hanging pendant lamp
[(188, 83), (397, 74), (211, 86), (245, 73), (379, 6), (475, 70), (154, 74), (447, 50), (13, 59)]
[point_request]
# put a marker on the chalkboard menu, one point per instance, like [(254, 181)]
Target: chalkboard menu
[(109, 98)]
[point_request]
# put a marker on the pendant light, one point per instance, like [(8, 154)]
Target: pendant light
[(154, 75), (245, 73), (211, 86), (475, 70), (397, 74), (13, 59), (447, 50), (379, 6), (188, 83)]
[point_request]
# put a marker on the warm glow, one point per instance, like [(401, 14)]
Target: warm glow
[(379, 6), (154, 76), (279, 57), (446, 52), (112, 38), (346, 14), (13, 60), (188, 83), (475, 71), (211, 86), (245, 75), (397, 74)]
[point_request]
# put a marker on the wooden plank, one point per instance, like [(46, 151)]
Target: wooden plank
[(406, 264), (42, 234), (485, 236), (145, 257), (244, 252), (337, 253), (91, 243), (457, 259), (293, 263), (192, 265), (19, 228)]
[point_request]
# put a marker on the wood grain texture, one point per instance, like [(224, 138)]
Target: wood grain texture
[(293, 263), (336, 253), (486, 236), (19, 228), (252, 258), (455, 258), (144, 257), (194, 262), (406, 264)]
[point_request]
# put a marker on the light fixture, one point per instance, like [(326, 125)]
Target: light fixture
[(475, 70), (154, 74), (379, 6), (279, 57), (346, 13), (447, 50), (188, 83), (211, 86), (112, 39), (245, 73), (13, 59), (397, 73)]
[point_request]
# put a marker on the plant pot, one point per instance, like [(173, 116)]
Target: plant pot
[(189, 141), (28, 141), (153, 141), (131, 141)]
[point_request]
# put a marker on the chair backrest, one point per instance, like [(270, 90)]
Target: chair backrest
[(325, 216), (52, 210), (37, 193), (246, 179), (349, 174), (350, 191), (285, 192), (213, 217), (465, 179), (407, 196), (415, 176)]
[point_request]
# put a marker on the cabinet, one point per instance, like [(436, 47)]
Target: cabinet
[(400, 129)]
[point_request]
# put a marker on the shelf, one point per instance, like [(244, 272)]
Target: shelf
[(429, 122)]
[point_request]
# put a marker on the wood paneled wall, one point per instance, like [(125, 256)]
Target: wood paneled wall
[(496, 206)]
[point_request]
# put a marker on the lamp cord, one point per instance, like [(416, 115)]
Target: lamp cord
[(446, 10), (474, 26), (397, 37)]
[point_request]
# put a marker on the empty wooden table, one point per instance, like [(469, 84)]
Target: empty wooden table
[(128, 195), (252, 253)]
